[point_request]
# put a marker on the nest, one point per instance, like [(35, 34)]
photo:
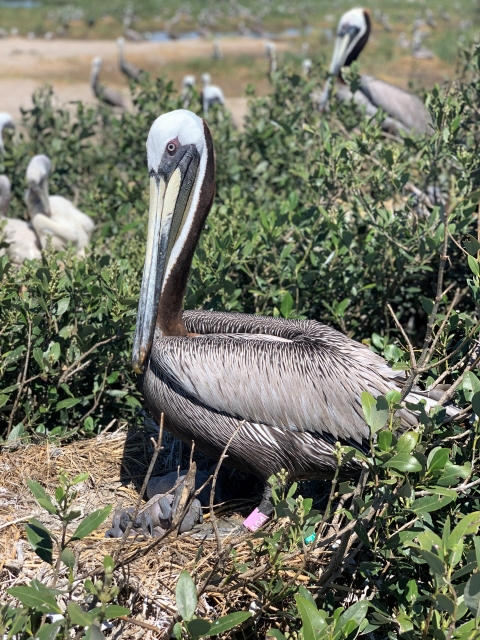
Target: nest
[(117, 464)]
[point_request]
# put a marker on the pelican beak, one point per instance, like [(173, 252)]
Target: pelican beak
[(343, 44), (171, 188)]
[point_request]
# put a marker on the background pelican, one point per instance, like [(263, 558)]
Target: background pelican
[(271, 53), (54, 216), (128, 68), (188, 83), (19, 235), (292, 388), (211, 94), (406, 111), (105, 94), (6, 122)]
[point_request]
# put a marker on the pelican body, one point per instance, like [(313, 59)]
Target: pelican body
[(105, 94), (17, 234), (211, 94), (54, 217), (405, 111), (292, 388), (128, 68)]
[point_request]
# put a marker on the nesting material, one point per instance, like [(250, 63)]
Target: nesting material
[(117, 464)]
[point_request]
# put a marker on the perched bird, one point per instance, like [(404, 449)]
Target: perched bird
[(271, 53), (288, 390), (211, 94), (6, 122), (306, 67), (405, 111), (217, 51), (128, 68), (19, 235), (105, 94), (188, 83), (54, 217)]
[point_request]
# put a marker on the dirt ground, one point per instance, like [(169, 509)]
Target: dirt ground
[(65, 64)]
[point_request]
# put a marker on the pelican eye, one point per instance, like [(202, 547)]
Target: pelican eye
[(171, 148)]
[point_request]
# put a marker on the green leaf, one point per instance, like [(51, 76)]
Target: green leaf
[(186, 596), (313, 620), (468, 525), (94, 633), (68, 558), (473, 264), (16, 433), (68, 403), (407, 442), (177, 631), (49, 631), (476, 403), (286, 305), (431, 503), (109, 563), (403, 462), (275, 633), (472, 594), (444, 603), (225, 623), (198, 627), (62, 306), (41, 496), (356, 612), (40, 540), (115, 611), (80, 617), (437, 459), (91, 522), (35, 598), (433, 561), (376, 411)]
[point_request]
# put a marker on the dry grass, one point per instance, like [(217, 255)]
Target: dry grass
[(148, 571)]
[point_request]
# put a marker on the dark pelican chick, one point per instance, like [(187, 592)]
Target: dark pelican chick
[(405, 111), (292, 387)]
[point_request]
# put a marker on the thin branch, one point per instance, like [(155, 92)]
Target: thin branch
[(22, 380), (75, 366)]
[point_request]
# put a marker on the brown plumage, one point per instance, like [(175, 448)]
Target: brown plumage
[(294, 387), (405, 111)]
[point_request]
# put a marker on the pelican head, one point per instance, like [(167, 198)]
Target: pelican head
[(37, 196), (206, 79), (182, 184), (188, 81), (352, 35)]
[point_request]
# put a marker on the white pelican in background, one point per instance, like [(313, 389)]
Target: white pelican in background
[(107, 95), (211, 94), (128, 68), (54, 217), (18, 234), (405, 111), (188, 83), (292, 388), (6, 122)]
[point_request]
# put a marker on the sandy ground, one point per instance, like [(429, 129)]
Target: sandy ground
[(65, 64)]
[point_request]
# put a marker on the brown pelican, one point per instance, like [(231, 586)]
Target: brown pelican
[(6, 122), (271, 53), (405, 111), (54, 217), (211, 94), (291, 388), (105, 94), (128, 68), (188, 83), (19, 235)]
